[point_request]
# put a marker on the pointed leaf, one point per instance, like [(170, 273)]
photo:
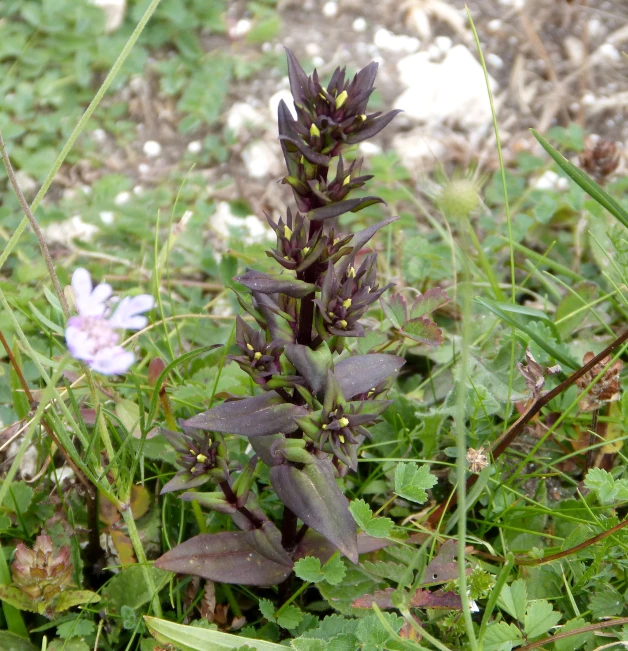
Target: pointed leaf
[(514, 598), (412, 481), (313, 365), (374, 128), (359, 240), (341, 207), (225, 557), (267, 541), (312, 494), (431, 300), (313, 544), (377, 527), (15, 597), (539, 618), (309, 154), (360, 373), (299, 80), (423, 330), (257, 416), (501, 637), (195, 638), (396, 310), (275, 284)]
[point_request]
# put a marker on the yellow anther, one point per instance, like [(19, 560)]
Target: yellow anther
[(250, 347), (347, 180), (314, 131), (343, 323), (343, 422), (336, 241), (201, 458), (305, 250), (194, 469), (346, 303), (362, 117), (323, 426), (192, 452), (257, 355), (331, 314), (341, 99), (287, 233), (341, 438), (351, 272)]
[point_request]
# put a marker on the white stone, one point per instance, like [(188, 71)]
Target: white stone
[(595, 27), (260, 159), (138, 190), (312, 49), (609, 53), (452, 91), (70, 229), (494, 60), (242, 117), (318, 62), (152, 148), (241, 28), (494, 25), (443, 43), (223, 222), (114, 12), (195, 146), (143, 169), (275, 100), (418, 149), (99, 135), (330, 9), (27, 183), (106, 217), (367, 148), (588, 99), (359, 24), (396, 43), (547, 181), (28, 464), (122, 198)]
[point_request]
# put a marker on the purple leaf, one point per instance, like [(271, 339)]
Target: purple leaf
[(341, 207), (428, 302), (265, 449), (312, 365), (267, 541), (275, 283), (310, 155), (298, 79), (396, 310), (361, 373), (359, 240), (257, 416), (225, 557), (313, 544), (423, 330), (373, 128), (312, 494)]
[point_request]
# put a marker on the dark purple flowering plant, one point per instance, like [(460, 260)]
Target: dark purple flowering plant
[(313, 412)]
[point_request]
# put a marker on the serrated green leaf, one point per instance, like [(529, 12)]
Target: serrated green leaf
[(79, 627), (606, 603), (412, 481), (389, 570), (607, 488), (308, 644), (573, 642), (334, 570), (376, 527), (539, 618), (309, 569), (71, 598), (267, 608), (501, 637), (514, 599), (290, 617)]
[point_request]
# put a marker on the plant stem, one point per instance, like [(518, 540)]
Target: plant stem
[(127, 515), (101, 423)]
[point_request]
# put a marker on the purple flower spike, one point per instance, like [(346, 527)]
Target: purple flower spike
[(93, 335)]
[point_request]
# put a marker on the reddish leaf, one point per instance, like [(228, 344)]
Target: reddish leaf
[(419, 599), (428, 302), (313, 544), (257, 416), (360, 373), (423, 330), (225, 557), (312, 494)]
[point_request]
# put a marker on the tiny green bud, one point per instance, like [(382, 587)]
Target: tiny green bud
[(351, 272), (341, 99), (343, 422), (459, 198), (257, 355), (346, 303), (314, 131)]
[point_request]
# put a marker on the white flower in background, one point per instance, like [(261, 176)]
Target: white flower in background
[(93, 336)]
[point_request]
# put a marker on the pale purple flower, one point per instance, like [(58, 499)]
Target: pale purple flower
[(93, 336)]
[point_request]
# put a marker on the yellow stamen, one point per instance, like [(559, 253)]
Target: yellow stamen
[(362, 117), (343, 323), (287, 233), (257, 355), (250, 347), (351, 272), (201, 458), (323, 426), (331, 314), (341, 438), (347, 180), (346, 303), (343, 422), (305, 250), (314, 131), (341, 99)]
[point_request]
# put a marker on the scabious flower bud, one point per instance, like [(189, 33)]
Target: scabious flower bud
[(459, 198), (40, 572)]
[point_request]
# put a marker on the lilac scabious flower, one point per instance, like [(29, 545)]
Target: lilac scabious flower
[(93, 336)]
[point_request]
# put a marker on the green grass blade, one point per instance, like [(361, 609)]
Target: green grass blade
[(585, 182)]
